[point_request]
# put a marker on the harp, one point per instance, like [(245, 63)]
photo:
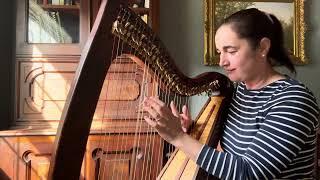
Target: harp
[(118, 26)]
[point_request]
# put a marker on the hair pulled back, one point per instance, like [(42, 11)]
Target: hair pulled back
[(253, 25)]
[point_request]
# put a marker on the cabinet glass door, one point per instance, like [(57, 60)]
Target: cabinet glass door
[(53, 21)]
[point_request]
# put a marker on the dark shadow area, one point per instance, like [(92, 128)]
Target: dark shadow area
[(3, 175), (7, 39)]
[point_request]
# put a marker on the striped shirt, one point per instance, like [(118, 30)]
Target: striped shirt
[(269, 133)]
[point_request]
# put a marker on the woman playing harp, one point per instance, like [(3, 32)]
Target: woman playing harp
[(125, 147), (270, 130), (238, 161)]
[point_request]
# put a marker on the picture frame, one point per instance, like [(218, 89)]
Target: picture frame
[(290, 13)]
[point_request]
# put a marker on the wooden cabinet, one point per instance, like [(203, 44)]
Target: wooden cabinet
[(49, 39), (27, 156), (45, 68)]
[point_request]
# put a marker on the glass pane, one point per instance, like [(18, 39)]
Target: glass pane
[(53, 21)]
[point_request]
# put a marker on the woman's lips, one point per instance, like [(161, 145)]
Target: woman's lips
[(229, 70)]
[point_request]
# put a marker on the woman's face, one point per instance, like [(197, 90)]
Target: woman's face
[(237, 57)]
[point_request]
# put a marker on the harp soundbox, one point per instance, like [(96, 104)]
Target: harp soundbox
[(119, 33)]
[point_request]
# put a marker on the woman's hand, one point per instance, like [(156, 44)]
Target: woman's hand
[(184, 117), (171, 125), (168, 122)]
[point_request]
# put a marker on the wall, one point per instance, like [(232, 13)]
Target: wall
[(181, 29), (7, 33)]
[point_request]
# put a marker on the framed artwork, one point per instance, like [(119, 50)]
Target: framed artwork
[(289, 12)]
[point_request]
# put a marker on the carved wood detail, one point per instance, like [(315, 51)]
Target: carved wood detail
[(43, 88), (27, 157)]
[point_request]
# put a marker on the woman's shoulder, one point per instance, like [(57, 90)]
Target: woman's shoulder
[(290, 85), (293, 91), (294, 97)]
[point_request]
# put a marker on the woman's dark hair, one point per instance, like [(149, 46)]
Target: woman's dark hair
[(253, 25)]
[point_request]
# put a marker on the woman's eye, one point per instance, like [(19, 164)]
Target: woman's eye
[(232, 52)]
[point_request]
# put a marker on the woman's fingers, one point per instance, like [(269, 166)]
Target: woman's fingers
[(158, 108), (155, 103), (157, 100), (151, 122), (174, 109), (185, 110), (154, 114), (185, 115)]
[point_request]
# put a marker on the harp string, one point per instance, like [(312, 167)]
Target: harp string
[(137, 140), (109, 141), (139, 123), (116, 89), (162, 142), (152, 135), (103, 140), (120, 137), (158, 164), (121, 140), (131, 105), (103, 165), (149, 147)]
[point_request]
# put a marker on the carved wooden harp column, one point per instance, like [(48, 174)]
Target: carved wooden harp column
[(116, 24)]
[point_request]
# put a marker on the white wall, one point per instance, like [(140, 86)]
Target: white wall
[(181, 30)]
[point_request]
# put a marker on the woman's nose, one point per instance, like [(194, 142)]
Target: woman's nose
[(222, 60)]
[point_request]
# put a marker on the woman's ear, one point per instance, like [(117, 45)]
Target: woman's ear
[(265, 44)]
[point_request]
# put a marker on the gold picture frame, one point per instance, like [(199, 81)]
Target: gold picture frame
[(296, 25)]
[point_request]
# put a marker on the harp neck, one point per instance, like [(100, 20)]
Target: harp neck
[(132, 30)]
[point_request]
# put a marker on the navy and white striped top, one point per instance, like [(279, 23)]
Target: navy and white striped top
[(269, 133)]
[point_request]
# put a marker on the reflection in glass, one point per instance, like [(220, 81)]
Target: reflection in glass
[(48, 23)]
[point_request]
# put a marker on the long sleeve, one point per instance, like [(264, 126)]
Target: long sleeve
[(268, 134)]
